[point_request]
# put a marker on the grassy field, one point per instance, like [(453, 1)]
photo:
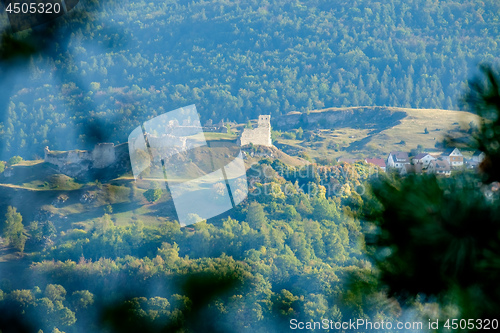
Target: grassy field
[(357, 141), (38, 176), (219, 136)]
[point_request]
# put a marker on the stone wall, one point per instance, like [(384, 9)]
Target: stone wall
[(102, 156), (66, 157), (260, 135)]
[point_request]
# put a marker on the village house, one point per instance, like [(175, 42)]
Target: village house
[(376, 161), (478, 156), (397, 160), (470, 164), (439, 167), (454, 157), (442, 165), (423, 158)]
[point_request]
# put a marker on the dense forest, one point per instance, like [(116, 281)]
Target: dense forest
[(338, 242), (275, 258), (105, 67)]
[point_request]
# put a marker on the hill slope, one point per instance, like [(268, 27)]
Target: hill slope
[(370, 131)]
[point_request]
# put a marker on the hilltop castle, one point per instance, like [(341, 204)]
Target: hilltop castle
[(78, 162), (258, 136)]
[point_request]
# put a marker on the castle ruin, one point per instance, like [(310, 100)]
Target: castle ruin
[(75, 162), (258, 136)]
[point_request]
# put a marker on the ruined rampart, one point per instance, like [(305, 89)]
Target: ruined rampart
[(258, 136)]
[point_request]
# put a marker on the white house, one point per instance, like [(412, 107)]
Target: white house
[(423, 158), (397, 160), (478, 156)]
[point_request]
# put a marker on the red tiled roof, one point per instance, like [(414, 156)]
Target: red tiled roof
[(376, 161)]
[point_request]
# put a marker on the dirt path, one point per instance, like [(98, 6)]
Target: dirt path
[(20, 187)]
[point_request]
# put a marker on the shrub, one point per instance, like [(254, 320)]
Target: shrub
[(289, 135), (300, 133), (15, 160), (153, 195)]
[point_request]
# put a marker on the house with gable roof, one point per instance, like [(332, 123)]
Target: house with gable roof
[(453, 156), (476, 159), (376, 161), (478, 156), (423, 158), (439, 167), (397, 160)]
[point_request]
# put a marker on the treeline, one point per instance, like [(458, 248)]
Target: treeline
[(117, 64)]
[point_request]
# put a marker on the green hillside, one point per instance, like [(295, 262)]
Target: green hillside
[(373, 131)]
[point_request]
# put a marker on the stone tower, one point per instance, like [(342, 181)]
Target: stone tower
[(260, 135)]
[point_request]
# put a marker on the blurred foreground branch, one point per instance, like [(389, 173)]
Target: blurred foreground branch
[(440, 237)]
